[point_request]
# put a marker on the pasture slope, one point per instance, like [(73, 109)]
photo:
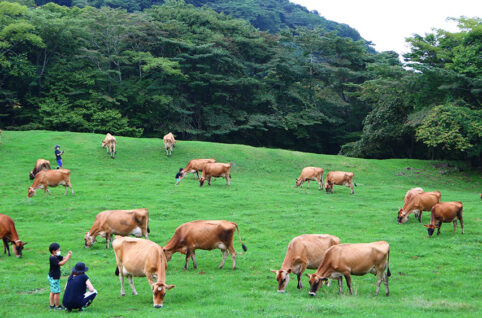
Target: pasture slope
[(430, 277)]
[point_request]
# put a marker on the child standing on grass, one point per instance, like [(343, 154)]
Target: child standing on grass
[(58, 154), (179, 176), (56, 260)]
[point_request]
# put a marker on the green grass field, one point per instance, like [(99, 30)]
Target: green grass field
[(430, 277)]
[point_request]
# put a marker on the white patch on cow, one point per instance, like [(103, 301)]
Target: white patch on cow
[(125, 272), (136, 231), (223, 175), (221, 246), (102, 233), (336, 275), (41, 186), (62, 182)]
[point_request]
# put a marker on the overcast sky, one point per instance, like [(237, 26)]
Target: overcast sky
[(387, 22)]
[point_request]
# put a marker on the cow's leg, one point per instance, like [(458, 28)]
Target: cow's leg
[(348, 282), (228, 179), (308, 184), (66, 187), (131, 282), (351, 187), (193, 257), (71, 188), (439, 226), (455, 225), (340, 285), (459, 216), (379, 282), (121, 278), (209, 180), (188, 255), (197, 173), (107, 240), (385, 281), (320, 184), (233, 255), (225, 255), (6, 247), (300, 285), (420, 216)]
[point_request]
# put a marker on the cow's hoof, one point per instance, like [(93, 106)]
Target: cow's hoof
[(123, 294), (157, 306), (281, 291), (134, 294), (312, 294)]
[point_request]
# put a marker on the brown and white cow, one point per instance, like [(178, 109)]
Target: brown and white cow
[(216, 170), (40, 165), (339, 178), (118, 222), (417, 204), (411, 193), (169, 143), (50, 178), (203, 235), (311, 174), (304, 251), (138, 258), (196, 165), (445, 212), (345, 260), (110, 142), (8, 234)]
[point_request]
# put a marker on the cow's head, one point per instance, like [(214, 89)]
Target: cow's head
[(328, 187), (402, 216), (431, 228), (31, 175), (283, 277), (104, 143), (201, 181), (17, 247), (315, 283), (89, 240), (159, 291), (31, 192), (298, 182)]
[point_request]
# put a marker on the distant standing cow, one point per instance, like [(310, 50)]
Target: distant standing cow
[(50, 178), (445, 212), (417, 204), (40, 165), (169, 143), (311, 174), (339, 178), (8, 234), (216, 170), (196, 165), (110, 142)]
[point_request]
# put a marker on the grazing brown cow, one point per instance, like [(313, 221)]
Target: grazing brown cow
[(169, 143), (8, 234), (417, 204), (110, 142), (204, 235), (345, 260), (138, 258), (310, 174), (339, 178), (304, 251), (445, 212), (216, 170), (40, 165), (196, 165), (118, 222), (50, 178)]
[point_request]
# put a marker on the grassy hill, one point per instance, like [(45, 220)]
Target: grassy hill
[(430, 277)]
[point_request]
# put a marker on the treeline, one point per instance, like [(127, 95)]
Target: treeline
[(208, 76)]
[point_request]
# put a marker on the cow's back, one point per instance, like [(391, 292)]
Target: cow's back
[(118, 221), (216, 168), (359, 258), (447, 210), (312, 247), (205, 234), (411, 193), (427, 200), (137, 255), (6, 224)]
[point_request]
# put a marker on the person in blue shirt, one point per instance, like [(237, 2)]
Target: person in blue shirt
[(179, 176), (76, 295), (58, 155)]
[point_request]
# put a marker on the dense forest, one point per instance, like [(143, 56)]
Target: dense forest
[(206, 75)]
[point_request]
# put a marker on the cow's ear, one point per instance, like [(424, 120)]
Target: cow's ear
[(25, 243), (289, 270), (274, 271), (426, 225), (169, 286)]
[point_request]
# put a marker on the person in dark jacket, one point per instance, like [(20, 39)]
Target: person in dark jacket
[(76, 295)]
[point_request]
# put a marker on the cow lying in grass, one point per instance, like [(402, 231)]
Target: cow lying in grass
[(50, 178)]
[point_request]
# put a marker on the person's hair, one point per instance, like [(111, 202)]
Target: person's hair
[(53, 247), (180, 169)]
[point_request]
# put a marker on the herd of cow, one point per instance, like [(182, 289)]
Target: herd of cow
[(323, 252)]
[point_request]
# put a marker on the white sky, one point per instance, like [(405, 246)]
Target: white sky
[(387, 22)]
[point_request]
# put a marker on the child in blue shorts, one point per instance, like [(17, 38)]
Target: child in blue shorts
[(56, 260), (58, 157), (179, 176)]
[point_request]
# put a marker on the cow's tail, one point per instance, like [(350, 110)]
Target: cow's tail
[(388, 264), (239, 235), (116, 271)]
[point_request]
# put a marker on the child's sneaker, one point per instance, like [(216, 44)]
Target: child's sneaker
[(51, 306), (59, 308)]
